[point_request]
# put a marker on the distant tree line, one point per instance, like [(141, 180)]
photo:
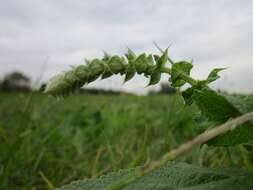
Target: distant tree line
[(15, 82), (19, 82), (164, 89)]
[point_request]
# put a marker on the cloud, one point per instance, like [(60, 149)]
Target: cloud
[(213, 33)]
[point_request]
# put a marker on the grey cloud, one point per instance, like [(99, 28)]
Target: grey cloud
[(213, 33)]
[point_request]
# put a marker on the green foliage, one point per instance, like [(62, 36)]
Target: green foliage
[(62, 139), (219, 109), (163, 59), (177, 70), (213, 105), (214, 75), (188, 95), (155, 77), (174, 177), (65, 83)]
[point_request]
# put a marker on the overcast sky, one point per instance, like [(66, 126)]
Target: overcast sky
[(52, 35)]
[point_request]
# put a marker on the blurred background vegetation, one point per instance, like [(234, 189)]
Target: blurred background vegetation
[(45, 143)]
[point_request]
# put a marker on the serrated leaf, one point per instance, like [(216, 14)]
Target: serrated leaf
[(163, 59), (176, 176), (217, 108), (155, 77), (214, 75), (178, 68)]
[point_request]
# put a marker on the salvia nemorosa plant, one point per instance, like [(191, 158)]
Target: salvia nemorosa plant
[(213, 105), (217, 107), (150, 65)]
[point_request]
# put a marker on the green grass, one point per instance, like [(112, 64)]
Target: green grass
[(45, 143)]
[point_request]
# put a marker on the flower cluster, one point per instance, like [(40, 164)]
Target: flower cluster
[(129, 65)]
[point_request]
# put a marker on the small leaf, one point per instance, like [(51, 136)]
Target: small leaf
[(107, 72), (178, 68), (130, 72), (150, 60), (131, 55), (150, 65), (155, 77), (214, 75), (163, 59)]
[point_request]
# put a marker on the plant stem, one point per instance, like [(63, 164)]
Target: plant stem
[(183, 76), (184, 148)]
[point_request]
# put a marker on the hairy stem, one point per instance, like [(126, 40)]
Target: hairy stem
[(186, 78), (184, 148)]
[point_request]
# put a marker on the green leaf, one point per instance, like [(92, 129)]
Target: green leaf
[(217, 108), (214, 105), (178, 176), (163, 59), (150, 65), (177, 69), (130, 72), (214, 75), (107, 72), (150, 60), (130, 55), (243, 103), (187, 95), (155, 77)]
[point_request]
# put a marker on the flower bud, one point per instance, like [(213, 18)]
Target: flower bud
[(96, 67), (56, 85), (82, 72), (116, 64), (141, 63)]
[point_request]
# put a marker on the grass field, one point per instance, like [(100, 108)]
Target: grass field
[(46, 143)]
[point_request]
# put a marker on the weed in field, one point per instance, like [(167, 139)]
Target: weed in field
[(214, 106)]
